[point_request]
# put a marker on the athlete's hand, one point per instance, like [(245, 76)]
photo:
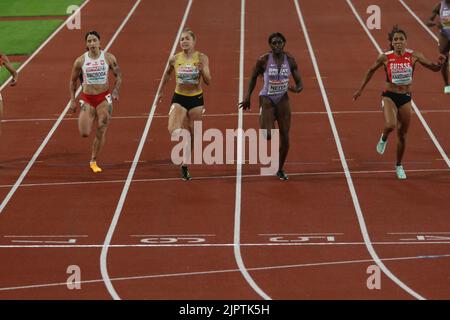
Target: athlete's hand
[(160, 97), (295, 89), (441, 59), (73, 106), (245, 104), (13, 81), (356, 95), (199, 66), (430, 23), (115, 94)]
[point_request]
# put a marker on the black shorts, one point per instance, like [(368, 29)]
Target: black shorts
[(398, 98), (188, 102)]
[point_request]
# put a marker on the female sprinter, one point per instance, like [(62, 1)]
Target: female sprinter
[(191, 66), (442, 9), (399, 64), (5, 62), (276, 67), (95, 99)]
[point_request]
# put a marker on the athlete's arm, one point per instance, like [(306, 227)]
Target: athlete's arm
[(369, 74), (433, 66), (166, 76), (203, 67), (430, 22), (10, 68), (113, 65), (76, 69), (258, 69), (295, 74)]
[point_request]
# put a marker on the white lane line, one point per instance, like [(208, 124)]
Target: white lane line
[(359, 213), (23, 65), (218, 245), (414, 106), (57, 123), (419, 233), (237, 209), (45, 241), (220, 115), (45, 236), (419, 20), (325, 173), (197, 273), (123, 196)]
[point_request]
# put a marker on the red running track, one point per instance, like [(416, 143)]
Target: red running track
[(299, 239)]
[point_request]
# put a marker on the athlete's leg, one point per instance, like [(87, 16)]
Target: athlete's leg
[(177, 116), (1, 113), (283, 115), (404, 118), (266, 116), (103, 113), (444, 47), (194, 115), (390, 117), (86, 119)]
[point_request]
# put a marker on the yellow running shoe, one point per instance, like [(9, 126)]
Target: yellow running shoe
[(95, 168)]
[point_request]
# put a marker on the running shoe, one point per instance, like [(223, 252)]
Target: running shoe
[(94, 167), (400, 172), (447, 89), (381, 146), (185, 175), (282, 175)]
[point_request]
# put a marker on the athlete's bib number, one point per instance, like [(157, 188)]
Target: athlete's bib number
[(277, 87)]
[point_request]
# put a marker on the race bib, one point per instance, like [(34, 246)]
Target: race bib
[(277, 87), (402, 75)]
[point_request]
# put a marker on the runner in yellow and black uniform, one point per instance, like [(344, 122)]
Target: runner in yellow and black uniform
[(187, 105)]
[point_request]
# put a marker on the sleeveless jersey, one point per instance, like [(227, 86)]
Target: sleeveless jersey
[(186, 70), (95, 71), (276, 81), (399, 69)]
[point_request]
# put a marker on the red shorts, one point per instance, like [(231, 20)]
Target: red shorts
[(95, 99)]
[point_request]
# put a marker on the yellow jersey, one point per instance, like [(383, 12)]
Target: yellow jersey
[(186, 71)]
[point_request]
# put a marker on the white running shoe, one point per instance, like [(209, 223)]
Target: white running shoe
[(447, 89), (400, 172), (381, 146)]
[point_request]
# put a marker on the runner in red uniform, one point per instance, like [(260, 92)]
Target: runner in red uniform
[(95, 99), (399, 64), (5, 62)]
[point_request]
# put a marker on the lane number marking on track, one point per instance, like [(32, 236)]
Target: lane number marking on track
[(296, 238), (173, 239), (424, 236)]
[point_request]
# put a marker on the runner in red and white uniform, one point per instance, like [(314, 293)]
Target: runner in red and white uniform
[(399, 64), (95, 99), (4, 61)]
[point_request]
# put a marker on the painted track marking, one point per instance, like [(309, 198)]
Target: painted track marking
[(359, 213)]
